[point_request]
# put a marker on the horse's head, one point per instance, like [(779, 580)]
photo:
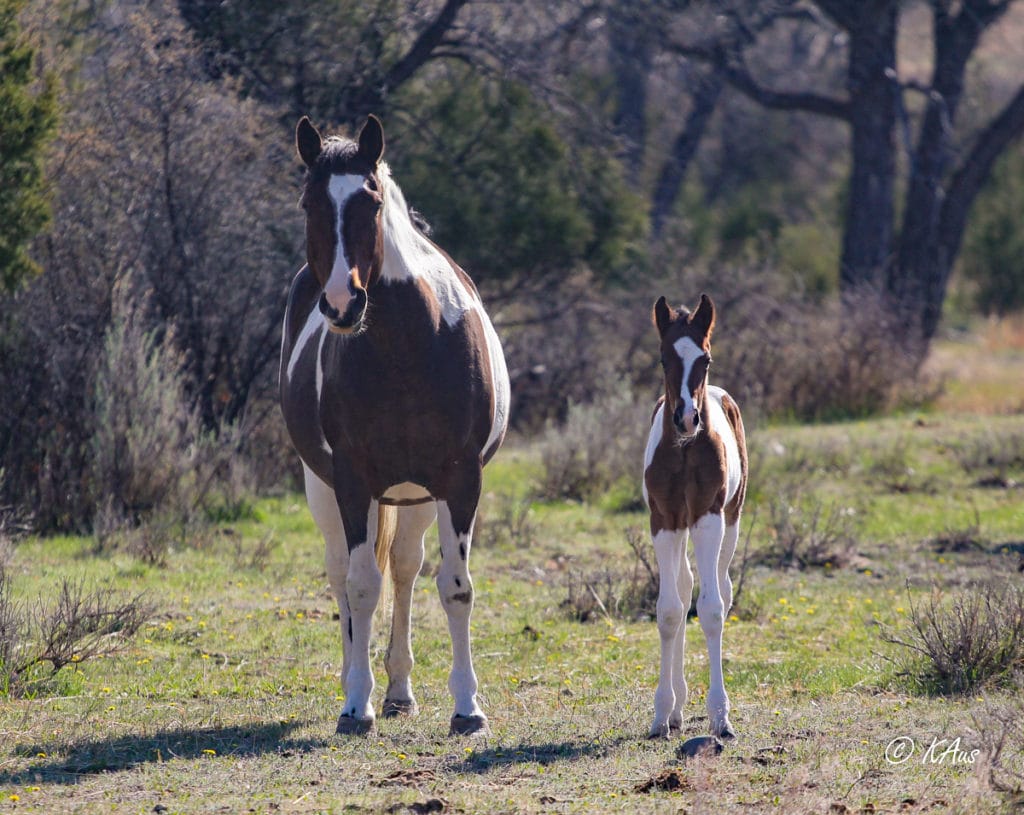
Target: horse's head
[(685, 358), (342, 199)]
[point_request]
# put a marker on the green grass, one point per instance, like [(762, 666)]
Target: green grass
[(227, 700)]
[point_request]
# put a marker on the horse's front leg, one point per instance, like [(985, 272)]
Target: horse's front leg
[(362, 591), (406, 562), (684, 580), (455, 518), (707, 536), (668, 548)]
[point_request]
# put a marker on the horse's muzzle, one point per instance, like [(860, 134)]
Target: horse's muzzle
[(352, 320)]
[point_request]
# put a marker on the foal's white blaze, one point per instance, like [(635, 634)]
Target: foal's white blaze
[(689, 352), (340, 189)]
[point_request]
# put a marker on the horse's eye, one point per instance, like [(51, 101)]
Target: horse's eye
[(371, 183)]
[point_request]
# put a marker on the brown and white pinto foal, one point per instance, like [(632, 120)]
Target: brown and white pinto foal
[(395, 394), (695, 478)]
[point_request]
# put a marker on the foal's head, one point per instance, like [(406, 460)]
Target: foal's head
[(685, 358), (342, 199)]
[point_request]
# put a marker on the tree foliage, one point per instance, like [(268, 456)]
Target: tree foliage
[(28, 119)]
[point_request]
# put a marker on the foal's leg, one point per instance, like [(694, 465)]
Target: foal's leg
[(707, 544), (406, 562), (685, 583), (668, 547), (729, 539), (455, 518), (324, 508)]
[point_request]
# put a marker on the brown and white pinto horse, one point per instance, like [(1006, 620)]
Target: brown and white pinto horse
[(395, 393), (695, 479)]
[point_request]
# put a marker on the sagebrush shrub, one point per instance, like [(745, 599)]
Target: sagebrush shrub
[(599, 445), (953, 645)]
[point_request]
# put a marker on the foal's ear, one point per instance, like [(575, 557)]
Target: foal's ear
[(703, 318), (308, 141), (662, 315), (371, 140)]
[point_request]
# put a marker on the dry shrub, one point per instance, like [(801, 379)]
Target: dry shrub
[(505, 521), (599, 445), (991, 455), (628, 593), (954, 645), (38, 639), (803, 531)]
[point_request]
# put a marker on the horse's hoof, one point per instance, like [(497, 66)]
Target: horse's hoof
[(351, 726), (662, 731), (700, 746), (399, 707), (468, 726), (727, 733)]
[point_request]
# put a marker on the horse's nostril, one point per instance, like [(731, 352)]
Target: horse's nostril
[(329, 311), (696, 419)]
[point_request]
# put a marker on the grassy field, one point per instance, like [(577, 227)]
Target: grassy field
[(226, 700)]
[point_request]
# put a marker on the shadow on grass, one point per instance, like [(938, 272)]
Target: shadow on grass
[(129, 751), (482, 761)]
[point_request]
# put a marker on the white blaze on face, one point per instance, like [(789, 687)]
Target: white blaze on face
[(689, 352), (340, 189)]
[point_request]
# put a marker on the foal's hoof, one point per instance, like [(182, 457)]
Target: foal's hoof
[(351, 726), (399, 707), (663, 731), (700, 746), (468, 726)]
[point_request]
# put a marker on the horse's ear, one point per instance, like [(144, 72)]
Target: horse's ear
[(308, 141), (371, 140), (662, 315), (703, 318)]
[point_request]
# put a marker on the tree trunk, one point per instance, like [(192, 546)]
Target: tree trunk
[(867, 236)]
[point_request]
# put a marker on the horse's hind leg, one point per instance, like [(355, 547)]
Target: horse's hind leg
[(707, 536), (729, 539), (406, 562), (324, 508), (455, 518)]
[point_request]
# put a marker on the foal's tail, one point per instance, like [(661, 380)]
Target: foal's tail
[(387, 526)]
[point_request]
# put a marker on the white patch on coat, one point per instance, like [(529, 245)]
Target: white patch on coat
[(340, 188), (653, 440), (314, 322), (408, 254), (720, 425), (406, 491)]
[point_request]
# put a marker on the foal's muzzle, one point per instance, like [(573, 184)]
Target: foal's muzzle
[(351, 320), (686, 423)]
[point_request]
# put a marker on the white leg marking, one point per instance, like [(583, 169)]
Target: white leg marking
[(406, 562), (324, 508), (671, 615), (340, 188), (456, 590), (362, 587), (707, 544), (729, 539), (685, 583)]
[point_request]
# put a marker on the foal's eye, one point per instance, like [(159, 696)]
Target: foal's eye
[(371, 183)]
